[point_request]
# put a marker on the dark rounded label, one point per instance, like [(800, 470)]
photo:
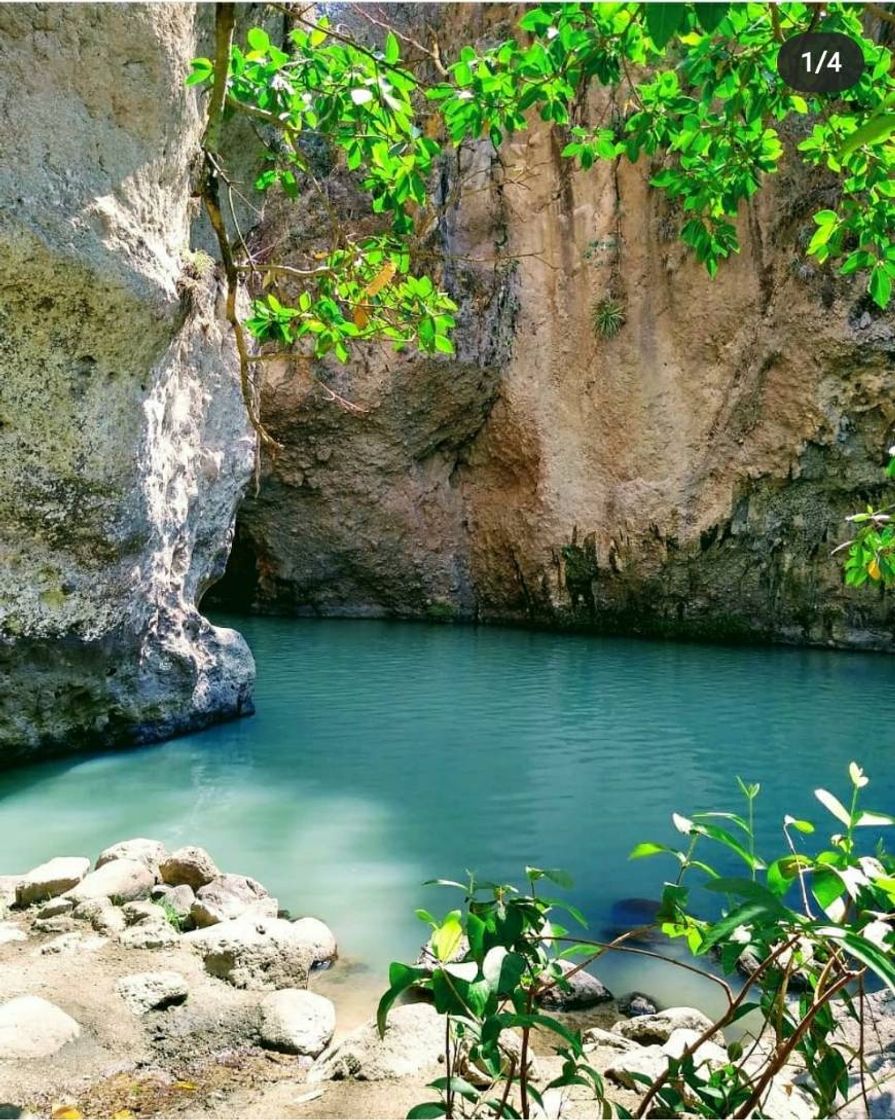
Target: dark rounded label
[(820, 62)]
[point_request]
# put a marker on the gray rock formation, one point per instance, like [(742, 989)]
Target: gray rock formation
[(124, 445)]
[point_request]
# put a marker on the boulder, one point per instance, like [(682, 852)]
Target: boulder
[(73, 943), (319, 939), (31, 1027), (683, 1037), (9, 932), (231, 896), (62, 924), (178, 901), (295, 1021), (56, 908), (152, 991), (657, 1029), (586, 991), (140, 911), (148, 852), (50, 879), (122, 880), (642, 1061), (102, 914), (254, 953), (595, 1038), (153, 933), (189, 866), (635, 1004), (413, 1043)]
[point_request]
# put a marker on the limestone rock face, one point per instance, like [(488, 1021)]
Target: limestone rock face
[(124, 446), (688, 476)]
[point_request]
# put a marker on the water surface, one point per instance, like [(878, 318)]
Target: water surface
[(384, 754)]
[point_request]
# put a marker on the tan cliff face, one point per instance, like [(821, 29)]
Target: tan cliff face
[(687, 476), (124, 447)]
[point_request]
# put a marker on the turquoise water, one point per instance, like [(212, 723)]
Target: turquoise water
[(384, 754)]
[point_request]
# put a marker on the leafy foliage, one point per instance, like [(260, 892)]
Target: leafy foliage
[(608, 317), (813, 925), (700, 96)]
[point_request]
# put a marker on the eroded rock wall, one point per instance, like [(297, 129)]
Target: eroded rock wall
[(688, 476), (124, 447)]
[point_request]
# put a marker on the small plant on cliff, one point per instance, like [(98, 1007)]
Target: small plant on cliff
[(705, 106), (608, 317), (809, 928)]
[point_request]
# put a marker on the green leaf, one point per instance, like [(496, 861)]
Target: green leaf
[(880, 286), (662, 20), (446, 938), (709, 16), (743, 915), (724, 837), (258, 39), (650, 848), (427, 1111), (826, 217), (401, 977), (746, 888), (392, 50), (877, 128), (833, 805), (877, 960)]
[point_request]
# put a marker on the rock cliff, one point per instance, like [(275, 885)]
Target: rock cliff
[(687, 476), (124, 448)]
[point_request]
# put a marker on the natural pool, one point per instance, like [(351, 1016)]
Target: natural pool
[(384, 754)]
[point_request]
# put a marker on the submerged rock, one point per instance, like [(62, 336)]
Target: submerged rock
[(635, 1004), (297, 1022), (31, 1027), (50, 879)]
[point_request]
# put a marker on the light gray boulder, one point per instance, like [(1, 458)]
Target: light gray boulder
[(319, 939), (295, 1021), (642, 1061), (122, 880), (254, 953), (31, 1027), (150, 853), (682, 1038), (76, 942), (152, 933), (50, 879), (152, 991), (61, 924), (189, 866), (413, 1043), (656, 1029), (179, 900), (102, 914), (231, 896)]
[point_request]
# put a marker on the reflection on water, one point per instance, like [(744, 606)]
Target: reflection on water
[(384, 754)]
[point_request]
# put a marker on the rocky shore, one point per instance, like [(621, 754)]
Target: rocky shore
[(151, 983)]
